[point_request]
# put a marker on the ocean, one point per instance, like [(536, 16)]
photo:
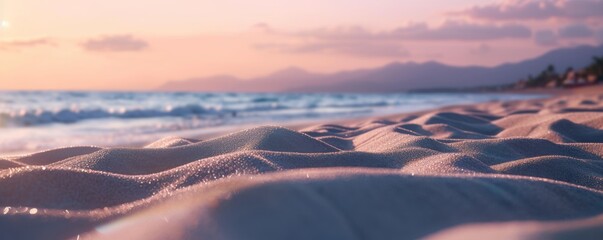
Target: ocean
[(37, 120)]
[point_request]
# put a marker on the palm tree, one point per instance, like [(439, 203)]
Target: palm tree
[(598, 61), (551, 69), (596, 67)]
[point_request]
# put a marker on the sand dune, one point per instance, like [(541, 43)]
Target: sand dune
[(524, 169), (588, 228)]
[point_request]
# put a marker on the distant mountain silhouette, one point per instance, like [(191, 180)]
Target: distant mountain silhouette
[(392, 77)]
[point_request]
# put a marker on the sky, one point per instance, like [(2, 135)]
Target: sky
[(141, 44)]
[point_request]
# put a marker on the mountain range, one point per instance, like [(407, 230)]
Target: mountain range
[(393, 77)]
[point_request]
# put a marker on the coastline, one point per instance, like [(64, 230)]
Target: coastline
[(132, 122), (298, 126), (214, 132), (440, 173)]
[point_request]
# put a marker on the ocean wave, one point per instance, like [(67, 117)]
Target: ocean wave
[(37, 108), (32, 117), (72, 115)]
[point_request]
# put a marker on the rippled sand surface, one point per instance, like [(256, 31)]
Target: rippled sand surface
[(513, 170)]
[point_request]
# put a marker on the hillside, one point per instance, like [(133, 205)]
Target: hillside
[(391, 77)]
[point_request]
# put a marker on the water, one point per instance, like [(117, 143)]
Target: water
[(31, 121)]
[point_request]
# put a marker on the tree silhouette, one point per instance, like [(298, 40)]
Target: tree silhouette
[(596, 67), (549, 74), (542, 79)]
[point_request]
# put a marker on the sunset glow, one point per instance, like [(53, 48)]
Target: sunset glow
[(313, 119), (116, 45)]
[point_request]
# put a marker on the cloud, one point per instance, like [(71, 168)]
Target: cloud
[(576, 31), (537, 10), (347, 33), (115, 43), (350, 48), (361, 42), (545, 38), (25, 43), (482, 49), (599, 36), (262, 27), (450, 30)]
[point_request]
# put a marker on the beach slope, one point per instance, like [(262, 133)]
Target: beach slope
[(513, 170)]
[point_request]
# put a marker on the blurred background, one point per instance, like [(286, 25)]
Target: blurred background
[(114, 72)]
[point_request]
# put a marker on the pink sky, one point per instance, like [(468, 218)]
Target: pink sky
[(140, 44)]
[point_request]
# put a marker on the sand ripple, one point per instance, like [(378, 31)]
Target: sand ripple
[(508, 168)]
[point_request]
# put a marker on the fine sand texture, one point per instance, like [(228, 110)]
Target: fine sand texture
[(499, 170)]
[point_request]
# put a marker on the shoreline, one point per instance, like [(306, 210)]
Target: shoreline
[(214, 132), (436, 173), (127, 140)]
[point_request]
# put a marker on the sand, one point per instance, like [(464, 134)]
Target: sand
[(507, 170)]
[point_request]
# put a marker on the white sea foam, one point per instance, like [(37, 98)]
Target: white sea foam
[(112, 118)]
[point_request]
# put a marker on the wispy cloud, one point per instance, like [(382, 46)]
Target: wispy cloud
[(537, 10), (361, 42), (546, 38), (599, 36), (450, 30), (570, 32), (350, 48), (482, 49), (576, 31), (26, 43), (458, 30), (115, 43)]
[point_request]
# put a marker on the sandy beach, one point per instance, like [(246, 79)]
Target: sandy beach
[(530, 169), (301, 120)]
